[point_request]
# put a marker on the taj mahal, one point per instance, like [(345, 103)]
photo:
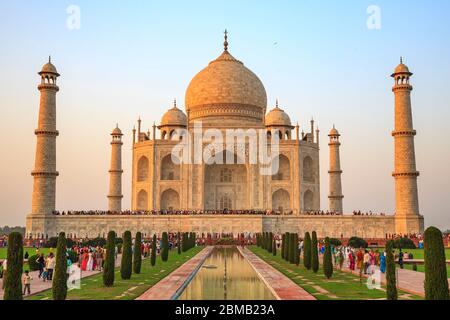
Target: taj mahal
[(215, 197)]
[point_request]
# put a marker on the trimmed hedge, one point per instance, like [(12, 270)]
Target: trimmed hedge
[(137, 256), (314, 253), (127, 257), (357, 243), (59, 284), (307, 251), (153, 253), (327, 261), (391, 286), (436, 283), (13, 274), (108, 267)]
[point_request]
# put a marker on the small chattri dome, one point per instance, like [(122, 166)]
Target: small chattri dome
[(49, 68), (334, 132), (117, 131), (174, 117), (277, 117), (401, 69)]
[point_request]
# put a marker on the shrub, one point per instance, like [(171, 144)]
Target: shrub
[(153, 253), (436, 283), (164, 247), (72, 255), (270, 242), (126, 263), (119, 247), (13, 274), (32, 264), (108, 267), (59, 285), (137, 256), (51, 242), (292, 246), (307, 251), (327, 262), (335, 242), (274, 247), (391, 287), (356, 242), (414, 267), (404, 243), (227, 241), (314, 253)]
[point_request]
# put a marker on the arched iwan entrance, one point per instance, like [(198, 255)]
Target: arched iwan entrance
[(281, 201), (170, 200)]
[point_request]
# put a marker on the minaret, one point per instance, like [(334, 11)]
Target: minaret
[(115, 173), (405, 174), (44, 173), (335, 172)]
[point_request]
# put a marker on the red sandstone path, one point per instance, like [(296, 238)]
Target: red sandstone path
[(167, 287), (37, 285), (407, 280), (280, 285)]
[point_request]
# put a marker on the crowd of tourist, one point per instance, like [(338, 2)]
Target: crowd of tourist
[(370, 213), (165, 212), (322, 213)]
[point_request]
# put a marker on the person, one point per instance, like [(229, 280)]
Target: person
[(26, 281), (84, 259), (90, 262), (366, 261), (41, 264), (50, 266), (4, 264), (351, 259), (400, 259), (383, 262), (360, 259), (1, 270), (99, 258), (340, 259)]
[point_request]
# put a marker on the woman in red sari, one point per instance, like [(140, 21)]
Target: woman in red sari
[(84, 261), (351, 259)]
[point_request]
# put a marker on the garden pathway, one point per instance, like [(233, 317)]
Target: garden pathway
[(37, 285)]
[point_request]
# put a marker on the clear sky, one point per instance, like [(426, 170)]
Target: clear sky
[(132, 58)]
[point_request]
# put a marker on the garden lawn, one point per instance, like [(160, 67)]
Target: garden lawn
[(342, 286), (92, 287), (31, 251), (418, 254)]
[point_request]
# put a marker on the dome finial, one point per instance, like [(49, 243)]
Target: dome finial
[(401, 60), (225, 44), (276, 103), (175, 102)]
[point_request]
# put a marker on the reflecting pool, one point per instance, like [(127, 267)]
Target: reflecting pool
[(226, 275)]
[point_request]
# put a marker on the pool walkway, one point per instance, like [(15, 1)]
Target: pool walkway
[(281, 286), (168, 287), (407, 280)]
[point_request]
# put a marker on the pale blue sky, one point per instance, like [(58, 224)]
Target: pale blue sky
[(131, 58)]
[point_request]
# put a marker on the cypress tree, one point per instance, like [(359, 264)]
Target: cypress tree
[(127, 257), (59, 284), (292, 245), (264, 241), (269, 242), (391, 287), (283, 241), (286, 248), (314, 253), (297, 253), (153, 253), (436, 283), (179, 243), (165, 247), (108, 267), (137, 256), (184, 243), (13, 281), (307, 251), (327, 262)]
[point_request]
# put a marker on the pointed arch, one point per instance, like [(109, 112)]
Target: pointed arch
[(169, 169), (170, 200), (142, 169), (284, 169), (308, 170), (142, 200), (281, 201), (308, 201)]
